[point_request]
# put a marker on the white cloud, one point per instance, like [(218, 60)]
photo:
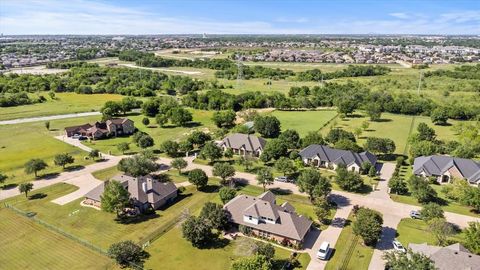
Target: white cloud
[(400, 15)]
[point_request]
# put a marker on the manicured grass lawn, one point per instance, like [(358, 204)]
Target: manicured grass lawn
[(449, 206), (202, 121), (98, 227), (106, 174), (304, 121), (416, 231), (22, 142), (171, 251), (350, 252), (63, 104), (27, 245)]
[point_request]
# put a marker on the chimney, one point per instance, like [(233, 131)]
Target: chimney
[(144, 187)]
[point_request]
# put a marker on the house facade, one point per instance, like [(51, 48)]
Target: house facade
[(446, 168), (145, 192), (327, 157), (268, 220), (243, 144), (99, 130)]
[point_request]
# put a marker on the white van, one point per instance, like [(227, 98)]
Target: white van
[(324, 251)]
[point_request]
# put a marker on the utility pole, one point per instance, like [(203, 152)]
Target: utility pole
[(239, 72), (419, 82)]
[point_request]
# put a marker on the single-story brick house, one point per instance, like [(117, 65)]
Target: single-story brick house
[(145, 192), (327, 157), (243, 144), (268, 220), (445, 168), (111, 127)]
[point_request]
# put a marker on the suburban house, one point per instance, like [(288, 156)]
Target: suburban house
[(111, 127), (450, 257), (444, 168), (243, 144), (324, 156), (145, 192), (267, 219)]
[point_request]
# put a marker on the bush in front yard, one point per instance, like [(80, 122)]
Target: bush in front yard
[(126, 253)]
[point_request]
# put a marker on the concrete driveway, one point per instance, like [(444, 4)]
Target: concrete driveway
[(85, 184)]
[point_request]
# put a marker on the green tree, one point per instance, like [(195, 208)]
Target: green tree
[(215, 215), (146, 121), (228, 153), (257, 262), (198, 178), (179, 164), (346, 106), (441, 230), (322, 210), (224, 171), (348, 145), (185, 146), (380, 145), (94, 153), (170, 148), (211, 151), (226, 194), (348, 180), (47, 125), (421, 190), (368, 224), (25, 188), (3, 177), (63, 160), (374, 111), (246, 161), (268, 126), (138, 165), (114, 198), (126, 253), (406, 261), (180, 116), (312, 137), (285, 165), (397, 185), (307, 181), (198, 138), (425, 133), (472, 237), (439, 116), (224, 119), (145, 141), (34, 166), (430, 211), (337, 134), (265, 177), (265, 249), (274, 150), (291, 138), (197, 231), (123, 147), (161, 119)]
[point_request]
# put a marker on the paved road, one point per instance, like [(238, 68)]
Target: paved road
[(47, 118)]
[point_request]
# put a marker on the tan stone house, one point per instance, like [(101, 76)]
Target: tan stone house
[(243, 144), (112, 127)]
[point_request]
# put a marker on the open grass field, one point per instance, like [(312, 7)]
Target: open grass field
[(304, 121), (416, 231), (201, 119), (171, 251), (24, 243), (98, 227), (350, 252), (63, 104), (22, 142)]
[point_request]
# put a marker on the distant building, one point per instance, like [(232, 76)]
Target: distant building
[(450, 257), (244, 144), (112, 127), (267, 219), (444, 168), (145, 192), (327, 157)]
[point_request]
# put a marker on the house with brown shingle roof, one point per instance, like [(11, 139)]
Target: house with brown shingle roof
[(111, 127), (268, 220), (145, 192), (243, 144), (450, 257)]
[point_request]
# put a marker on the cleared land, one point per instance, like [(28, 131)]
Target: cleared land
[(304, 121), (24, 243), (63, 104)]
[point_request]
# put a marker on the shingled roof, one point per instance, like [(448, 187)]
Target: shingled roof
[(450, 257), (437, 165), (337, 156), (288, 223), (249, 142)]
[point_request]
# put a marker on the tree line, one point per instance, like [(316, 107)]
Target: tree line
[(350, 71)]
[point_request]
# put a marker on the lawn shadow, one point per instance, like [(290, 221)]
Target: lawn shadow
[(340, 200), (136, 219), (180, 197), (210, 188), (192, 124), (49, 176), (280, 191), (383, 120), (74, 168), (37, 196), (216, 243), (9, 186)]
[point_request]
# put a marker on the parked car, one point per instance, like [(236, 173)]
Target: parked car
[(397, 246), (82, 138), (415, 214), (324, 251), (76, 136), (284, 179)]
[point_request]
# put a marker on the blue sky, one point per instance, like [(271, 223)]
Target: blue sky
[(240, 17)]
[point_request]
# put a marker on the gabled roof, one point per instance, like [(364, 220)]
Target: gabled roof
[(267, 196), (450, 257), (251, 143), (77, 128), (437, 165), (337, 156), (117, 121), (288, 223)]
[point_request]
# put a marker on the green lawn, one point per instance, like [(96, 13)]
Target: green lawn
[(27, 245), (449, 206), (416, 231), (106, 174), (99, 227), (63, 104), (171, 251), (304, 121), (22, 142), (201, 119), (350, 252)]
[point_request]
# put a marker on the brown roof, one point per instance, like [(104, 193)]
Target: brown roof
[(251, 143), (77, 128), (117, 121), (450, 257), (288, 223)]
